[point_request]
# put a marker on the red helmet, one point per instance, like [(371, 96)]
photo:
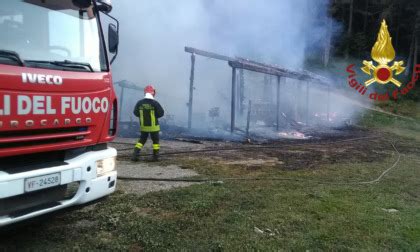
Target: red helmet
[(150, 89)]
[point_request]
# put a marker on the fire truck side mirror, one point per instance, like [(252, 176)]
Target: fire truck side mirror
[(104, 6), (113, 38), (82, 4)]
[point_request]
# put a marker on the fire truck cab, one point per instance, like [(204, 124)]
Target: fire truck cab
[(58, 108)]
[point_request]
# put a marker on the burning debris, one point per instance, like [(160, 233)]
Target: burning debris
[(266, 110), (217, 87), (293, 135), (281, 109)]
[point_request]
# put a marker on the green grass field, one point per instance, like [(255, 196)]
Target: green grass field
[(316, 209)]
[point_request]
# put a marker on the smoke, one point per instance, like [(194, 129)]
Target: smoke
[(153, 35)]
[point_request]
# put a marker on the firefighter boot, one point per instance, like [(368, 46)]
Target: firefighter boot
[(136, 152), (136, 155), (155, 155), (156, 148)]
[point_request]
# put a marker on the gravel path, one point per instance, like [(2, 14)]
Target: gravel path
[(145, 170)]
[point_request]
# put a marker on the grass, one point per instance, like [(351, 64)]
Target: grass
[(299, 216), (406, 108), (399, 126), (293, 215)]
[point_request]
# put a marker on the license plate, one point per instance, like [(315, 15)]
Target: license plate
[(42, 182)]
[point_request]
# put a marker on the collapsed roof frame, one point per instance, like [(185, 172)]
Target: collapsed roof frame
[(123, 84), (253, 66)]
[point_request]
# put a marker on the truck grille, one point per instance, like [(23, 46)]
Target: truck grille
[(26, 203), (11, 139)]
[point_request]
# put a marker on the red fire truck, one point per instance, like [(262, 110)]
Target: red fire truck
[(58, 108)]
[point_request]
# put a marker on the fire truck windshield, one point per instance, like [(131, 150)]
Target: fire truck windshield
[(51, 34)]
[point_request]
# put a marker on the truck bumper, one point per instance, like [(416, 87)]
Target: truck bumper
[(80, 174)]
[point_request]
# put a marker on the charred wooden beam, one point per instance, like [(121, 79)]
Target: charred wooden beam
[(241, 91), (233, 108), (307, 104), (208, 54), (123, 85), (328, 103), (277, 71), (248, 118), (127, 84), (278, 103), (242, 63), (190, 100), (256, 68)]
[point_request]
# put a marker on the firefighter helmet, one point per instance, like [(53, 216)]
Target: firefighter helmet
[(150, 89)]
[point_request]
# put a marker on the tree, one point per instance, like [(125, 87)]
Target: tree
[(350, 27), (414, 46)]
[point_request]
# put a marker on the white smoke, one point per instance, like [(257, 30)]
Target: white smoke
[(153, 35)]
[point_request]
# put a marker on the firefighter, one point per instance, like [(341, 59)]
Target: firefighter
[(148, 111)]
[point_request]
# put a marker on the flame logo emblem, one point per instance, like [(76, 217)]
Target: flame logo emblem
[(383, 52)]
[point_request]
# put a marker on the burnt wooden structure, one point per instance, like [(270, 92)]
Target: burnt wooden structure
[(125, 85), (245, 64)]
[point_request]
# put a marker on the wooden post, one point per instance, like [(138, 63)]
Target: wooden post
[(297, 97), (307, 103), (328, 104), (190, 101), (267, 94), (241, 91), (248, 119), (278, 103), (238, 91), (121, 104), (233, 102)]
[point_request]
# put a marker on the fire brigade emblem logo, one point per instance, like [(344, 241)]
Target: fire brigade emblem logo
[(383, 53)]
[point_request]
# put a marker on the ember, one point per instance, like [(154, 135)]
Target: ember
[(293, 135)]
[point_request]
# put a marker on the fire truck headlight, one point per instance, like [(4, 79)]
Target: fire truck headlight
[(105, 165)]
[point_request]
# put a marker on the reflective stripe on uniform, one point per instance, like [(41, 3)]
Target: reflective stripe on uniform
[(153, 127), (156, 146), (150, 128), (139, 145), (153, 117), (141, 118)]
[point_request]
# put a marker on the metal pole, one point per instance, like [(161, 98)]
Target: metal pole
[(278, 103), (121, 104), (232, 112), (190, 101), (307, 103)]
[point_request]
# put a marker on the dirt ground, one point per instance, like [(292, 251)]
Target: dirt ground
[(148, 170), (336, 146), (325, 148)]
